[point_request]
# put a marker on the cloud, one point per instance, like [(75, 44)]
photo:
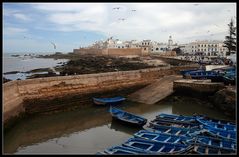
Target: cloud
[(155, 21), (13, 30), (21, 17)]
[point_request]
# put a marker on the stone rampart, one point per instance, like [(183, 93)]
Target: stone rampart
[(16, 92)]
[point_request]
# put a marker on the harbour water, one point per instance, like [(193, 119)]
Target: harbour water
[(26, 63), (89, 130)]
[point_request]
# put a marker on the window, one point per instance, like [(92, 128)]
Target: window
[(161, 48), (145, 48), (157, 49), (119, 47), (142, 43), (192, 46), (198, 45)]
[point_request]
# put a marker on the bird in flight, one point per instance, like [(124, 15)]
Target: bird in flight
[(133, 10), (122, 19), (116, 8), (53, 45), (196, 4)]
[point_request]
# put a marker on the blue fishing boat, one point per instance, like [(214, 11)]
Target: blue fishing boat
[(185, 72), (204, 75), (216, 142), (230, 135), (208, 150), (162, 137), (219, 121), (156, 147), (127, 117), (217, 125), (124, 150), (177, 117), (105, 101), (174, 130), (179, 124)]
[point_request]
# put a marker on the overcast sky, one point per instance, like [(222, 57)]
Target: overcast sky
[(31, 27)]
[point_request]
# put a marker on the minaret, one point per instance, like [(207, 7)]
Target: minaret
[(170, 42)]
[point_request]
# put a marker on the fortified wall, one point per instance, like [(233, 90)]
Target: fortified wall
[(16, 93), (112, 51), (124, 52)]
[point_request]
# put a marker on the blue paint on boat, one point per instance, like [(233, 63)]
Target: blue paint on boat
[(156, 147), (124, 150), (127, 117), (173, 130), (209, 150), (105, 101), (162, 137)]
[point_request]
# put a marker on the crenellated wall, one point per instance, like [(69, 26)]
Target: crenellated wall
[(16, 92)]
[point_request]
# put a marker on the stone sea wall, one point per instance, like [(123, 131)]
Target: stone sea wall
[(16, 93)]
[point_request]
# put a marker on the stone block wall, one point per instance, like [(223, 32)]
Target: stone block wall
[(122, 52), (16, 92)]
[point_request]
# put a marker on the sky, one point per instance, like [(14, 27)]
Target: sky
[(36, 27)]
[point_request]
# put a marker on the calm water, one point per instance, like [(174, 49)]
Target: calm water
[(90, 130), (24, 64)]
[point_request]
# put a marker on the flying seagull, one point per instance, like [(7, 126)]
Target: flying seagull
[(116, 8), (196, 4), (53, 45), (133, 10), (121, 19)]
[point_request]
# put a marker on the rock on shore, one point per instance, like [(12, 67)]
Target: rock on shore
[(225, 100)]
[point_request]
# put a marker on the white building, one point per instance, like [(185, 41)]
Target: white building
[(158, 47), (209, 48)]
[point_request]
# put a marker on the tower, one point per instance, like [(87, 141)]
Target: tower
[(170, 42)]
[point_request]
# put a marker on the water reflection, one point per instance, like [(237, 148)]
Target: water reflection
[(128, 129), (91, 129)]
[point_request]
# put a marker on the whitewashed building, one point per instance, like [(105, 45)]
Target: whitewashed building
[(158, 47), (208, 48)]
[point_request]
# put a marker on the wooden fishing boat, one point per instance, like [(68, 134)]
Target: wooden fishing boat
[(174, 130), (162, 137), (156, 147), (186, 72), (124, 150), (204, 75), (127, 117), (105, 101), (177, 117), (179, 124), (216, 142), (219, 121), (230, 135), (217, 125), (208, 150)]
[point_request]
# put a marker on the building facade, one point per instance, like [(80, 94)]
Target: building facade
[(207, 48)]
